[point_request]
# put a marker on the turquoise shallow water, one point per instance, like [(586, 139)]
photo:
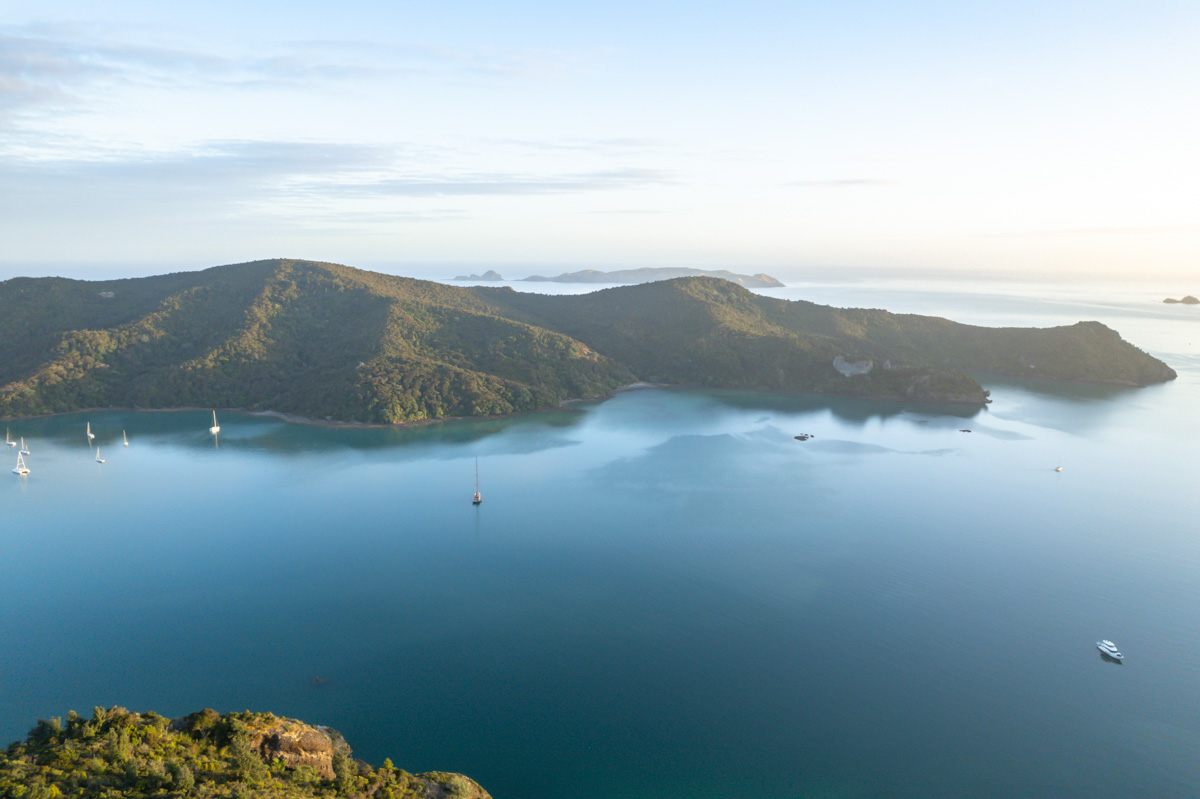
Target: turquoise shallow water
[(663, 594)]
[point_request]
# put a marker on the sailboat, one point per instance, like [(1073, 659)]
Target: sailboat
[(90, 434), (21, 469), (23, 450), (8, 438), (125, 438), (216, 428), (478, 498), (98, 458)]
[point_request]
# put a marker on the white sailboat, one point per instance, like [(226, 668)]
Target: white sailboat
[(98, 458), (23, 451), (21, 468), (216, 428), (125, 438), (8, 438), (90, 434), (478, 498)]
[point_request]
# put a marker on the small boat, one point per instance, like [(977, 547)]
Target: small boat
[(1108, 648), (216, 428), (23, 451), (478, 498), (90, 434), (21, 469), (8, 438), (98, 458), (1059, 469), (124, 438)]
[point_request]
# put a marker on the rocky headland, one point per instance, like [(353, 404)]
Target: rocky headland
[(116, 753)]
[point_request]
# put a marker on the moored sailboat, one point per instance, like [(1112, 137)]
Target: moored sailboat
[(98, 458), (216, 428), (125, 438), (90, 434), (21, 469), (23, 451), (8, 438), (478, 498)]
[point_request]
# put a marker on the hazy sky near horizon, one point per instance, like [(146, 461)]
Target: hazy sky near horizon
[(1016, 137)]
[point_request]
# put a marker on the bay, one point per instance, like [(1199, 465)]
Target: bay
[(664, 594)]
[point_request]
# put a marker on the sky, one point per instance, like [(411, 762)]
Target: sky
[(958, 137)]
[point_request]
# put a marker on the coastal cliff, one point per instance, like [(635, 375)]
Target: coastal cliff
[(116, 753)]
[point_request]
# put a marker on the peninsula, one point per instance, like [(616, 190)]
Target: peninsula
[(650, 274), (332, 342), (116, 753)]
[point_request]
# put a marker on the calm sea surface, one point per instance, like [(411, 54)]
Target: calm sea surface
[(664, 594)]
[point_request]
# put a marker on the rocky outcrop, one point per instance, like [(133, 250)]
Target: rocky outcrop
[(852, 368), (490, 274), (1188, 300), (295, 745)]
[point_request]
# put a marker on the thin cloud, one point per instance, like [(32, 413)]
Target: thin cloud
[(841, 183), (49, 67), (491, 184)]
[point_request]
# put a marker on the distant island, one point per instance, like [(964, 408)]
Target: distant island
[(650, 274), (115, 753), (490, 274), (1188, 300), (334, 343)]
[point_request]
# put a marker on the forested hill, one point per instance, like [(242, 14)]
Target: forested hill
[(329, 341)]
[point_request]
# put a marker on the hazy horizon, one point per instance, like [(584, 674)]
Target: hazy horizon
[(1020, 140)]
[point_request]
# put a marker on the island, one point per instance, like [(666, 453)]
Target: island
[(649, 274), (490, 275), (329, 342), (1188, 300), (116, 753)]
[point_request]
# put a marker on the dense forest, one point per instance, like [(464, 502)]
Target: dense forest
[(115, 753), (332, 342)]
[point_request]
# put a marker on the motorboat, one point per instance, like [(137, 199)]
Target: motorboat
[(1108, 648)]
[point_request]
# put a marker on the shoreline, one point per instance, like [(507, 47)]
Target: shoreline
[(294, 418)]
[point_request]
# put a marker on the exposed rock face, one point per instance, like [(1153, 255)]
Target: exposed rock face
[(849, 369), (296, 745)]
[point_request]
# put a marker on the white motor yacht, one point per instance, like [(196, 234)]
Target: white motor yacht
[(1110, 649)]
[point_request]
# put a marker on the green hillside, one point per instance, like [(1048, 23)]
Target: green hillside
[(333, 342), (116, 753)]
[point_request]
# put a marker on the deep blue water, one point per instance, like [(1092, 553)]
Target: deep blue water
[(664, 594)]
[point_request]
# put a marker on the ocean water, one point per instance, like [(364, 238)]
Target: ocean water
[(664, 594)]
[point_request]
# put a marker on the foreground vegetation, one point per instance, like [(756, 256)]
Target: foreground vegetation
[(116, 753), (332, 342)]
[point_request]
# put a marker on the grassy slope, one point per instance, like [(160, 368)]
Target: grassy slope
[(324, 340)]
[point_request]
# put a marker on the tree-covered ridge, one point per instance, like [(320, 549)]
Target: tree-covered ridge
[(708, 332), (116, 753), (329, 341), (313, 339)]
